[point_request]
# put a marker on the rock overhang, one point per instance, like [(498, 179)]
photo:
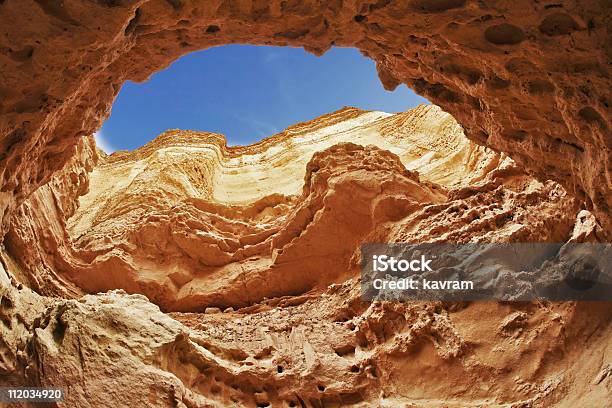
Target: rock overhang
[(531, 80)]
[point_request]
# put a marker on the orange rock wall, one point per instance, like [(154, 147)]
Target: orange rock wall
[(529, 80), (178, 219), (277, 276)]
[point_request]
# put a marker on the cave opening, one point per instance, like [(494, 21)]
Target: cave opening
[(247, 93), (173, 196), (158, 217), (220, 170), (246, 269)]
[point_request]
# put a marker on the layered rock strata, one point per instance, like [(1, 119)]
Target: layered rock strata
[(260, 282), (183, 217)]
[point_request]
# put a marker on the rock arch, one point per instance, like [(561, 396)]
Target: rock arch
[(531, 80)]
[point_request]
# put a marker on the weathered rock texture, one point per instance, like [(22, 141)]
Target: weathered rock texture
[(530, 79), (526, 79), (181, 218), (278, 253)]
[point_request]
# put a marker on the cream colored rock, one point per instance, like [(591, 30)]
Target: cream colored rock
[(200, 165), (281, 260), (181, 217)]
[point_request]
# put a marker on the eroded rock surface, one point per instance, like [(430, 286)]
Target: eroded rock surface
[(260, 283), (181, 218)]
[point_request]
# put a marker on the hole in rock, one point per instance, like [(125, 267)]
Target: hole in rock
[(246, 93), (214, 152), (213, 240), (220, 162)]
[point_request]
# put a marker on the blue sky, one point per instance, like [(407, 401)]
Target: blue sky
[(246, 93)]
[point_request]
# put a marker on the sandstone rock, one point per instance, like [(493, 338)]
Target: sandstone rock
[(155, 222), (529, 80), (181, 217)]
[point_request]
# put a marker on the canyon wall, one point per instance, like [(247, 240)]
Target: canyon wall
[(182, 217), (530, 79), (260, 283)]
